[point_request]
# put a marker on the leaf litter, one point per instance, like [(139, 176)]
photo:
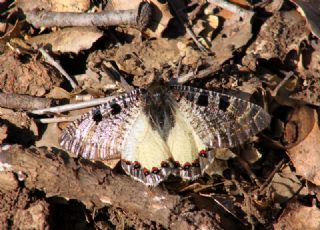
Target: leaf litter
[(271, 182)]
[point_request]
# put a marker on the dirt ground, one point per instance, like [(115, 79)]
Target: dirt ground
[(263, 51)]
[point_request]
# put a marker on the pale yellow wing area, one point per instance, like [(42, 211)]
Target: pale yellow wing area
[(144, 144), (183, 142)]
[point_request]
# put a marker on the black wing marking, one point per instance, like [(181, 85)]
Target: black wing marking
[(221, 120), (99, 133)]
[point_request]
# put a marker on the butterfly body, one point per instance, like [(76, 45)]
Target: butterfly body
[(164, 130)]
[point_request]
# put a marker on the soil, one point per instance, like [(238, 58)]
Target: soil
[(268, 55)]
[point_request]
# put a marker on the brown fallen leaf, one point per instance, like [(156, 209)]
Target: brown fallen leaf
[(284, 185), (74, 39), (310, 9), (160, 19), (50, 137), (297, 217), (235, 34), (54, 5), (302, 138), (280, 34)]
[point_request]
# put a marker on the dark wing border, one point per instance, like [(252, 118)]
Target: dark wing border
[(222, 120)]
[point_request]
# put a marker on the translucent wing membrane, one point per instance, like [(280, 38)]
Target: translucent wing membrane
[(99, 134), (201, 120), (220, 120)]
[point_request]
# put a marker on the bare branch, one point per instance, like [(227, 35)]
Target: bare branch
[(54, 63), (139, 17), (69, 107), (231, 7)]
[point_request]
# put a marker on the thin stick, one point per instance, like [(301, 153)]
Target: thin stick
[(115, 73), (57, 119), (139, 17), (231, 7), (281, 84), (69, 107), (191, 75), (188, 29), (54, 63), (270, 177)]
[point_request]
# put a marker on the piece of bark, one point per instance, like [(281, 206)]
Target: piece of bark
[(24, 102), (96, 186)]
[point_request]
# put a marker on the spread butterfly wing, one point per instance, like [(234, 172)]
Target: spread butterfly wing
[(220, 120), (99, 133)]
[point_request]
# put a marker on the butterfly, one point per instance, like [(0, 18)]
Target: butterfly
[(164, 130)]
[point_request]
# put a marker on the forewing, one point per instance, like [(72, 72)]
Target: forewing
[(99, 133), (220, 120)]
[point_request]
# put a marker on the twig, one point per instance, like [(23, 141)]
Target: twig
[(56, 119), (188, 28), (139, 17), (288, 75), (231, 7), (69, 107), (115, 73), (270, 177), (24, 102), (191, 75), (54, 63), (246, 167)]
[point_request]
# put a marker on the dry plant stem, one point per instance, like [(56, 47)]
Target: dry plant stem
[(231, 7), (139, 17), (190, 76), (56, 119), (188, 29), (24, 102), (246, 166), (69, 107), (116, 75), (54, 63), (96, 186), (270, 177), (281, 84)]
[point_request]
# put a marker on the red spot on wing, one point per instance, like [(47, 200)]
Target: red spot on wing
[(146, 172), (164, 164), (176, 164), (155, 170), (136, 165), (203, 153), (186, 166)]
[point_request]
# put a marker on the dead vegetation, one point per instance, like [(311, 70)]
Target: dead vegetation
[(264, 51)]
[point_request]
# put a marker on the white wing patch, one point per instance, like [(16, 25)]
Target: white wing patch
[(183, 142), (144, 144)]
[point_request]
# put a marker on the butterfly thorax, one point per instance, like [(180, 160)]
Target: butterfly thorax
[(159, 109)]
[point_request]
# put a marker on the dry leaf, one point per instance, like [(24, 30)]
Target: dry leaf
[(58, 93), (234, 35), (72, 39), (284, 185), (297, 217), (302, 136), (160, 18), (50, 137), (310, 9), (54, 5), (122, 5), (280, 34)]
